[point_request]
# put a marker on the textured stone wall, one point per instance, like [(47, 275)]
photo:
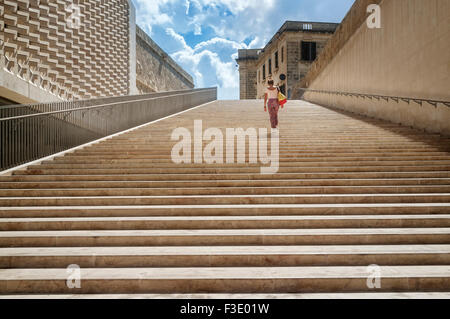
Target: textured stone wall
[(44, 48), (407, 57), (293, 58), (247, 79), (155, 70)]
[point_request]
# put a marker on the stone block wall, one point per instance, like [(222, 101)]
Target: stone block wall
[(293, 50), (155, 70), (247, 80), (47, 53)]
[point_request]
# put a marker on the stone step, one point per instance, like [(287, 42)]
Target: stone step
[(225, 165), (223, 170), (291, 139), (223, 183), (284, 157), (287, 155), (306, 159), (224, 256), (226, 210), (226, 199), (325, 147), (225, 222), (274, 190), (218, 176), (220, 237), (226, 280), (285, 150), (250, 296)]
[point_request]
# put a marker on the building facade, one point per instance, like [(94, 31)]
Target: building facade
[(286, 59), (56, 50)]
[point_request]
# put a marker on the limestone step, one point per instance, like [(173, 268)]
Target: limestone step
[(233, 169), (224, 256), (224, 191), (295, 164), (249, 296), (95, 160), (226, 210), (225, 222), (287, 156), (226, 199), (223, 183), (220, 237), (217, 176), (226, 280), (325, 147), (283, 157)]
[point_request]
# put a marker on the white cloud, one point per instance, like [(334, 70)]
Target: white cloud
[(237, 6), (150, 14), (198, 29), (215, 41), (228, 24), (192, 58), (187, 5)]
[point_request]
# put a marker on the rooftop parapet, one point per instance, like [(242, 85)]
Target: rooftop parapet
[(251, 54)]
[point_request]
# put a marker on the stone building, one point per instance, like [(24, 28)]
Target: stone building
[(286, 58), (57, 50)]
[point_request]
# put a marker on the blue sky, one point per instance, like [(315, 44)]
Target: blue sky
[(203, 36)]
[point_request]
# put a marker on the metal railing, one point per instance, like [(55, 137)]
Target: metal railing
[(379, 97), (24, 109), (40, 130)]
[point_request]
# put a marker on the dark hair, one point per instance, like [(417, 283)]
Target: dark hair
[(270, 82)]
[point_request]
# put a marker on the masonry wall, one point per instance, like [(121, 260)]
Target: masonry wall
[(44, 57), (292, 66), (155, 70), (247, 79), (408, 57)]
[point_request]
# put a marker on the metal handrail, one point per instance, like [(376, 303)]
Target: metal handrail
[(384, 97), (98, 106), (93, 100), (27, 137)]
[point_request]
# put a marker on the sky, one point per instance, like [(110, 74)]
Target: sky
[(203, 36)]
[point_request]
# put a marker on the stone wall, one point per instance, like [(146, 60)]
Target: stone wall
[(155, 70), (293, 58), (247, 80), (407, 57), (48, 54)]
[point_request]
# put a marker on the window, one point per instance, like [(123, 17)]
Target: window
[(282, 54), (308, 51), (264, 72), (276, 60), (257, 77), (270, 66)]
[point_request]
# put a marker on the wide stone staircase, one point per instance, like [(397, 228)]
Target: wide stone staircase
[(350, 192)]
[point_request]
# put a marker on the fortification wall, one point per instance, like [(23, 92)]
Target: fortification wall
[(409, 56)]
